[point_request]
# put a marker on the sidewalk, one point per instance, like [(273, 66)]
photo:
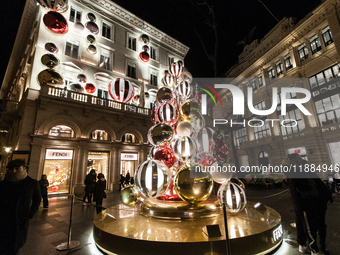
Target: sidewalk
[(49, 228)]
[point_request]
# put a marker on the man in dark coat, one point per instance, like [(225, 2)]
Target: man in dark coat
[(89, 182), (19, 199), (310, 196), (99, 192)]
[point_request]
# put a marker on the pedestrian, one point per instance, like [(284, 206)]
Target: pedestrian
[(89, 182), (132, 180), (121, 182), (19, 199), (127, 178), (310, 196), (43, 189), (99, 192)]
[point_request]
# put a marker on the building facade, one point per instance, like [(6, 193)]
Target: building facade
[(307, 53), (63, 110)]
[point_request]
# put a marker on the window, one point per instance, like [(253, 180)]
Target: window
[(72, 49), (327, 36), (303, 52), (324, 81), (328, 110), (288, 62), (132, 43), (289, 126), (75, 16), (61, 130), (279, 68), (106, 31), (241, 136), (253, 84), (100, 135), (105, 60), (271, 73), (171, 60), (315, 44), (261, 128), (131, 70), (103, 94), (153, 54), (260, 81), (153, 79), (129, 138)]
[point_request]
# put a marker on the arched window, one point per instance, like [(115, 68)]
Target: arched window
[(100, 135), (61, 130), (129, 138), (263, 158)]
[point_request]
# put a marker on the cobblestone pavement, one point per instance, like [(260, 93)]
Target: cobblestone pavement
[(49, 228)]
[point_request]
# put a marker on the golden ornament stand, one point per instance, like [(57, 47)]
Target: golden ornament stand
[(125, 231)]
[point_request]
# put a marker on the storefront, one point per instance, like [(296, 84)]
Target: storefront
[(58, 168), (98, 161), (128, 163)]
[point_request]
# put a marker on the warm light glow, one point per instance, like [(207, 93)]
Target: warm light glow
[(7, 149), (257, 205)]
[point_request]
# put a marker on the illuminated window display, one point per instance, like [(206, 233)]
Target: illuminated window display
[(98, 161), (63, 131), (57, 167), (128, 163)]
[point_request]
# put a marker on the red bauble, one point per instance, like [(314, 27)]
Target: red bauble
[(56, 22), (90, 88), (144, 56), (221, 150), (166, 155), (121, 90), (154, 117), (55, 188)]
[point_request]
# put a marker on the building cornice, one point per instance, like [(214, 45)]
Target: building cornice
[(123, 17), (282, 37)]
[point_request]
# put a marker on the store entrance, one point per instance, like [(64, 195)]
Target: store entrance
[(128, 163), (98, 161)]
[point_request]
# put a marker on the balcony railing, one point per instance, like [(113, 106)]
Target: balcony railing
[(91, 100)]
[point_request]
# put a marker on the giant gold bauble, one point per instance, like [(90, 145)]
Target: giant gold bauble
[(232, 196), (129, 195), (189, 109), (51, 78), (160, 134), (192, 184), (152, 178)]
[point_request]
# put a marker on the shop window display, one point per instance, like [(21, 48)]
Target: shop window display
[(61, 130), (57, 167), (100, 135)]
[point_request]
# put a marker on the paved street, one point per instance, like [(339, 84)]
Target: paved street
[(49, 228)]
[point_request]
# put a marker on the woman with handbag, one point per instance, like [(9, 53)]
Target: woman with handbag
[(99, 191)]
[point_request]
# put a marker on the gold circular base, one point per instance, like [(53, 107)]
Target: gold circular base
[(124, 231), (179, 210)]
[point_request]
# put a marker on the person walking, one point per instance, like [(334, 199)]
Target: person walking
[(127, 178), (43, 189), (89, 182), (121, 182), (19, 201), (99, 192), (310, 196)]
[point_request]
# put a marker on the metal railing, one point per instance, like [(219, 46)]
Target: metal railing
[(91, 100)]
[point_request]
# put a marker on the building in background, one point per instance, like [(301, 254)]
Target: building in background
[(62, 109), (308, 49)]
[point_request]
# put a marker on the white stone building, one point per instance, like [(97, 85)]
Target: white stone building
[(67, 129), (308, 49)]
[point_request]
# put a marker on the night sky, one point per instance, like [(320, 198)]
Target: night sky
[(180, 19)]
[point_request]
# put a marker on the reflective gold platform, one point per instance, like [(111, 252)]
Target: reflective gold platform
[(124, 231)]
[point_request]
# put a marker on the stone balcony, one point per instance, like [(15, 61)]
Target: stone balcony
[(92, 101)]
